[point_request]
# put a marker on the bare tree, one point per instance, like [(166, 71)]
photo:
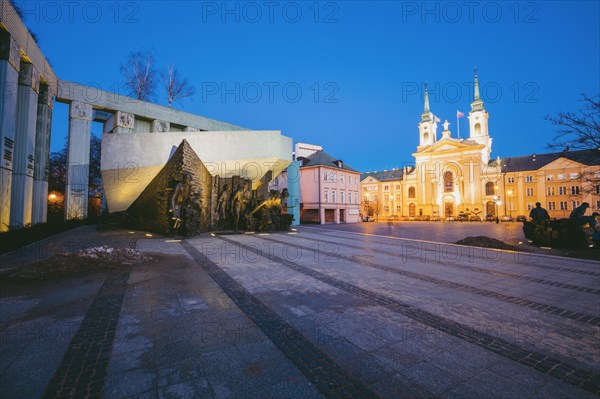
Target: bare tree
[(578, 131), (140, 74), (175, 86)]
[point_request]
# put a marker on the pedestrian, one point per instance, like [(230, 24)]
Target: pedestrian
[(538, 214), (578, 217)]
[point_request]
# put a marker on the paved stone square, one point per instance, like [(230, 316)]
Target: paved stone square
[(317, 312)]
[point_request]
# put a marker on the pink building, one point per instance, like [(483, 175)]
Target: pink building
[(329, 190)]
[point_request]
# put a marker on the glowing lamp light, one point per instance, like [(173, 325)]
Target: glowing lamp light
[(52, 197), (148, 235)]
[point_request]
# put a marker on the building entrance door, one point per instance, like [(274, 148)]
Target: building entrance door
[(490, 208), (448, 209)]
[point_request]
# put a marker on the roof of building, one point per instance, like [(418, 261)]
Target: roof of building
[(386, 175), (537, 161), (324, 159)]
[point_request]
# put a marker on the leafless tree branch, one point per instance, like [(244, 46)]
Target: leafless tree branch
[(176, 87), (140, 75)]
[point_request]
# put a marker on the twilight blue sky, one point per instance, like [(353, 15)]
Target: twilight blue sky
[(346, 75)]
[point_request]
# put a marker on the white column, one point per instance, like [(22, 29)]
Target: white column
[(42, 153), (78, 160), (22, 176), (322, 215), (9, 73)]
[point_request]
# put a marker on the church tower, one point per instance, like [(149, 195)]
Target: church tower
[(428, 125), (478, 122)]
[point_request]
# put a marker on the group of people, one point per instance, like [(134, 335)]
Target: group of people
[(233, 206), (540, 216)]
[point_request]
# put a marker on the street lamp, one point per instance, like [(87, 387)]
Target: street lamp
[(497, 201)]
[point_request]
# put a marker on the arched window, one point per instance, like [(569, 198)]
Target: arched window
[(412, 210), (425, 137), (411, 192), (489, 188), (477, 128), (448, 182)]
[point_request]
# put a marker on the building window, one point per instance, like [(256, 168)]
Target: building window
[(448, 182), (560, 176), (574, 190), (551, 206), (398, 187), (356, 198), (325, 175), (489, 188), (575, 204), (550, 177), (386, 198), (326, 196), (597, 189), (477, 128), (597, 205), (341, 178), (399, 208), (563, 205), (529, 206), (342, 197), (398, 198), (411, 192), (412, 210), (333, 199), (574, 176), (562, 190), (550, 190), (511, 179), (386, 188), (386, 209), (529, 191), (528, 179)]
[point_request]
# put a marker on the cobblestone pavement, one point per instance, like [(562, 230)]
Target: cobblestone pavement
[(451, 232), (312, 313)]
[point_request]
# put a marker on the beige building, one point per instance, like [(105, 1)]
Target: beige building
[(452, 176)]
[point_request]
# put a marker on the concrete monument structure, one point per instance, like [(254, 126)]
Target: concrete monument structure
[(27, 88), (138, 137)]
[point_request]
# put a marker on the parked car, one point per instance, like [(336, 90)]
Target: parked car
[(507, 218), (426, 218), (521, 218), (394, 218), (474, 218), (368, 219), (490, 218), (462, 217), (435, 218)]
